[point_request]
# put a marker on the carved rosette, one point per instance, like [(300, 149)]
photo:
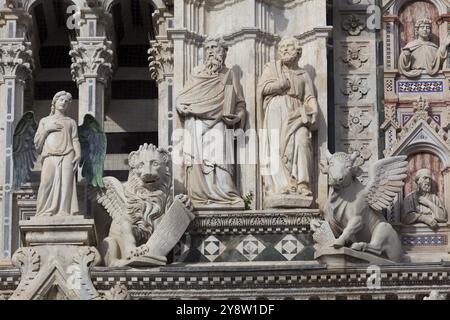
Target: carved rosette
[(16, 59), (91, 59), (160, 59)]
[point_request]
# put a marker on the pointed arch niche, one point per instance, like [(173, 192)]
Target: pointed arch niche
[(426, 146)]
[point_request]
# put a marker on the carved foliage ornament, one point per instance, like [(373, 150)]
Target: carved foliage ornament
[(356, 122), (355, 88), (15, 59), (354, 56), (353, 25), (91, 59), (160, 59)]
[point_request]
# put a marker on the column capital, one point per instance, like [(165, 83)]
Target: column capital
[(16, 59), (91, 58), (160, 59)]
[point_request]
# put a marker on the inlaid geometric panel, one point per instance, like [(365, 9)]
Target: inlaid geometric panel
[(251, 247), (211, 248), (289, 247)]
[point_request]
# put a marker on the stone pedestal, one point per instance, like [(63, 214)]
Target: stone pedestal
[(56, 258), (275, 236), (421, 244)]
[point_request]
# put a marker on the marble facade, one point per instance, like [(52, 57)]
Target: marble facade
[(358, 89)]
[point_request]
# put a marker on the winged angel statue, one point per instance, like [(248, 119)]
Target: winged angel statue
[(63, 147), (354, 210)]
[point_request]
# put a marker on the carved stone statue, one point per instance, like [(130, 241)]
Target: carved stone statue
[(62, 146), (138, 209), (354, 210), (212, 105), (289, 108), (422, 206), (422, 55)]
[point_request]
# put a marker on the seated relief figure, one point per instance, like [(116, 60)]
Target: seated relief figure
[(63, 146), (422, 55), (288, 112), (211, 106), (422, 206)]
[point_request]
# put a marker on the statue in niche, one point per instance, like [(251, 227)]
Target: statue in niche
[(288, 109), (212, 106), (63, 146), (354, 210), (146, 223), (422, 55), (422, 206)]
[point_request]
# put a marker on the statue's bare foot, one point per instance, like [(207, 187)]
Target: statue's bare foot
[(304, 190), (338, 244), (361, 246)]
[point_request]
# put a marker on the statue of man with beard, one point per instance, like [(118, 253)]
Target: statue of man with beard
[(288, 112), (212, 106), (422, 206)]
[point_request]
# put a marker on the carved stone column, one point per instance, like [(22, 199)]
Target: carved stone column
[(15, 68), (92, 58), (161, 70)]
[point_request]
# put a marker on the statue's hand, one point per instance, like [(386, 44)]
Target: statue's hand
[(184, 110), (76, 162), (430, 221), (53, 127), (407, 52), (231, 119), (284, 85)]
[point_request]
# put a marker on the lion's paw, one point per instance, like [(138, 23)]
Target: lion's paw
[(186, 201)]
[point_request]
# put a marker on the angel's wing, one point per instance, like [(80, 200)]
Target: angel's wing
[(93, 150), (386, 180), (112, 197), (24, 150)]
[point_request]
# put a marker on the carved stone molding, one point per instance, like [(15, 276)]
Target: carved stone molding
[(91, 59), (16, 59), (257, 222), (160, 59)]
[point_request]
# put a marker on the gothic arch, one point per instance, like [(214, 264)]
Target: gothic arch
[(157, 4), (394, 7)]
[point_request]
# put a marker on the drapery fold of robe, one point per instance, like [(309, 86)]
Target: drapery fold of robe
[(57, 193), (209, 148), (413, 210), (425, 56), (286, 147)]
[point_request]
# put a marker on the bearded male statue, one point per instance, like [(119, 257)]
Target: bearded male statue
[(212, 106), (422, 206), (422, 55), (288, 112)]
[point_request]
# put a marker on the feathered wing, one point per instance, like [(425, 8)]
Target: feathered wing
[(93, 151), (24, 150), (112, 197), (386, 180)]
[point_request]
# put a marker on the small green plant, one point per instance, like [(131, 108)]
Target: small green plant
[(248, 200)]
